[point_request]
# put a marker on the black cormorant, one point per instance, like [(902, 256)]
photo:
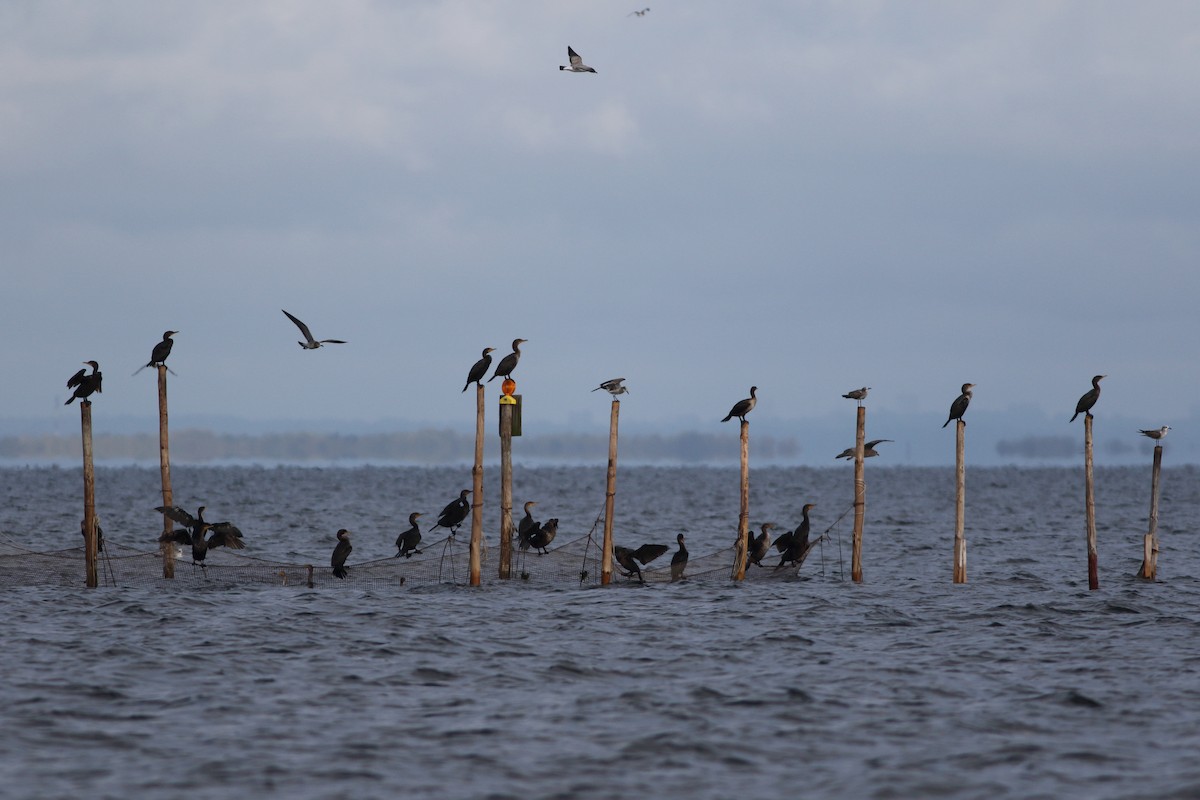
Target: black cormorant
[(868, 450), (85, 384), (454, 513), (795, 544), (1157, 435), (613, 387), (406, 543), (542, 535), (509, 362), (340, 553), (959, 406), (1084, 406), (760, 545), (526, 526), (223, 534), (628, 558), (309, 342), (743, 407), (679, 560), (479, 368)]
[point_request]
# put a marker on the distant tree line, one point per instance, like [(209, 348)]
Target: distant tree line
[(423, 447)]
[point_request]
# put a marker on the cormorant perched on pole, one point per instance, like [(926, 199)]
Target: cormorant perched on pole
[(509, 362), (526, 526), (340, 553), (1157, 435), (794, 545), (158, 356), (868, 449), (541, 536), (959, 406), (1084, 406), (628, 558), (406, 543), (613, 387), (679, 560), (224, 534), (760, 545), (858, 394), (309, 342), (743, 407), (479, 369), (454, 513), (84, 384)]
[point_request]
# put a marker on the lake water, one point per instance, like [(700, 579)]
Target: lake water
[(1021, 683)]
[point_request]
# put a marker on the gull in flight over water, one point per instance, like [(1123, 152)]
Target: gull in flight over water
[(577, 64), (641, 13), (310, 343)]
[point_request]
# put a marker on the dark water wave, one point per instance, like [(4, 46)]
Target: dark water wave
[(1021, 683)]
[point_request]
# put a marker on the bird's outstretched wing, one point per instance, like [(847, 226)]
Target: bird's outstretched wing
[(303, 328), (177, 514), (648, 552), (76, 379), (225, 535)]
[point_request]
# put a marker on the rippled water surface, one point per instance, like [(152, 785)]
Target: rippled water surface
[(1021, 683)]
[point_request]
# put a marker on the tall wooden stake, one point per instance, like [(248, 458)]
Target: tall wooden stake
[(860, 496), (477, 490), (1150, 542), (960, 484), (609, 496), (743, 540), (164, 464), (1093, 569), (89, 494), (506, 416)]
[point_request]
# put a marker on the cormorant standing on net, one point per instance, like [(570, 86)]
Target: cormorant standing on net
[(223, 533), (1084, 406), (628, 558), (760, 545), (85, 384), (542, 535), (858, 394), (959, 406), (1157, 435), (309, 342), (795, 544), (743, 407), (340, 553), (613, 387), (868, 450), (454, 513), (406, 543), (479, 368), (158, 356), (526, 526), (679, 560), (509, 362)]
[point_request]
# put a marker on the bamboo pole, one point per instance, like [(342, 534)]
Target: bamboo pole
[(860, 496), (960, 503), (164, 463), (476, 560), (89, 494), (743, 543), (1090, 493), (1150, 542), (609, 496), (506, 416)]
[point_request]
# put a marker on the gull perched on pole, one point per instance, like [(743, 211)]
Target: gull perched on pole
[(613, 387)]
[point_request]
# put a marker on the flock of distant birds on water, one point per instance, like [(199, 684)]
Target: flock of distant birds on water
[(792, 546)]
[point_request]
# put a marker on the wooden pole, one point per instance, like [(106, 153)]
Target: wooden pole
[(476, 562), (506, 416), (1093, 570), (1150, 542), (89, 495), (609, 496), (860, 496), (960, 502), (743, 540), (164, 463)]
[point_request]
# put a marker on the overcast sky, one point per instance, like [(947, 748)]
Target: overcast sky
[(805, 196)]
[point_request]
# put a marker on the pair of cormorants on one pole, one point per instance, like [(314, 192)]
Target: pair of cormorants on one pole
[(504, 369)]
